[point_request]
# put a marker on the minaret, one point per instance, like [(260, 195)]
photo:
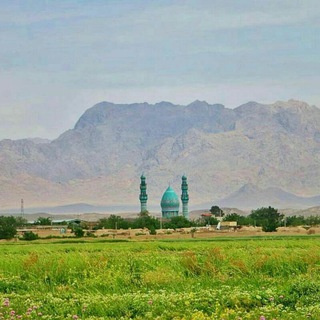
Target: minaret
[(143, 194), (185, 197)]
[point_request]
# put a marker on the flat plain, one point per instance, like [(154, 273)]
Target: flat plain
[(258, 277)]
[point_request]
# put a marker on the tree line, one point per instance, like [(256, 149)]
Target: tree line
[(144, 220), (10, 224), (268, 218)]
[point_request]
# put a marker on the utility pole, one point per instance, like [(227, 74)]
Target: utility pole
[(22, 208)]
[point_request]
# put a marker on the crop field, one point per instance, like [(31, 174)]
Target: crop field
[(225, 278)]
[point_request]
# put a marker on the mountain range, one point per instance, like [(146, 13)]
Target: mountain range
[(253, 155)]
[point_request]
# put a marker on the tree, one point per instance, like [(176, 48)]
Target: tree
[(205, 220), (146, 221), (29, 236), (20, 221), (216, 211), (8, 227), (178, 222), (313, 220), (212, 221), (268, 218), (295, 221), (241, 220), (74, 224), (78, 232), (113, 222), (41, 221)]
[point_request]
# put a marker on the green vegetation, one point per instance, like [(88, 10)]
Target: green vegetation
[(43, 221), (144, 220), (251, 278), (29, 235), (78, 232), (271, 217), (241, 220), (8, 227), (113, 222), (301, 220), (267, 218), (178, 222), (216, 211)]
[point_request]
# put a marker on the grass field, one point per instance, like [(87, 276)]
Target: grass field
[(222, 278)]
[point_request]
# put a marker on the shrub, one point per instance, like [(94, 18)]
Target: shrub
[(29, 236), (177, 223), (78, 232)]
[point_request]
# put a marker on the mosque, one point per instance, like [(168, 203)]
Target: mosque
[(170, 202)]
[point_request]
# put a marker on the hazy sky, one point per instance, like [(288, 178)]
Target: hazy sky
[(59, 57)]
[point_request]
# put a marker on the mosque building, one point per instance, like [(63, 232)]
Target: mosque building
[(170, 202)]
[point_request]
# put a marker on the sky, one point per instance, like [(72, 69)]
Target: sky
[(60, 57)]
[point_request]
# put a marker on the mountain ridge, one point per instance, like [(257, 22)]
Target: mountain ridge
[(100, 160)]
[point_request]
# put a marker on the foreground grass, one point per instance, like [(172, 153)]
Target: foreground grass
[(275, 278)]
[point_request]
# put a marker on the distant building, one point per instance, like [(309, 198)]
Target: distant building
[(227, 225), (170, 202)]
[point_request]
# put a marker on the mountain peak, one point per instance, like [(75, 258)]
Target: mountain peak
[(292, 104), (249, 188), (250, 107), (162, 104), (198, 103)]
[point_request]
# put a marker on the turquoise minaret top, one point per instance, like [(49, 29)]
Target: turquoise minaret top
[(143, 194), (185, 197)]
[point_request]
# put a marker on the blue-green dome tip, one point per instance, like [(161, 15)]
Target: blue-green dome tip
[(170, 200)]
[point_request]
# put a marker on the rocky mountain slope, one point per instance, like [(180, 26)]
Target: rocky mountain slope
[(221, 150)]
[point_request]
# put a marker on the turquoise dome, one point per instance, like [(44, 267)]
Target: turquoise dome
[(170, 202)]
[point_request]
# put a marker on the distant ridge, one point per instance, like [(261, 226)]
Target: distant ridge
[(250, 196), (76, 208)]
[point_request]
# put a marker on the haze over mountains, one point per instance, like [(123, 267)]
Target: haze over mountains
[(245, 157)]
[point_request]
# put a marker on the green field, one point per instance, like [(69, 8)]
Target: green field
[(247, 278)]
